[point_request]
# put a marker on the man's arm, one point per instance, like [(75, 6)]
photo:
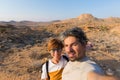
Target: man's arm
[(96, 76)]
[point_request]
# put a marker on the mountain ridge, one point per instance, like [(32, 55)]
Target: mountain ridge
[(81, 18)]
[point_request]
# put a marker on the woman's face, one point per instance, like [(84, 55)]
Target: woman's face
[(56, 53)]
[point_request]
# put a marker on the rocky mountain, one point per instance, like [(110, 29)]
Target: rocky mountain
[(88, 18)]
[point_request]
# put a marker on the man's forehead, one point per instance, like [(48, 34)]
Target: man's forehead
[(71, 40)]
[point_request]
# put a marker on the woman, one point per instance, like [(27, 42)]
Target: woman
[(52, 69)]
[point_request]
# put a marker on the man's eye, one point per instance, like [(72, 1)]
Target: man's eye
[(75, 44), (65, 45)]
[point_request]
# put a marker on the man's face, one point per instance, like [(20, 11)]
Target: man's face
[(74, 49)]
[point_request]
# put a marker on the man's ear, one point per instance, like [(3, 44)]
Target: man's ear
[(84, 45)]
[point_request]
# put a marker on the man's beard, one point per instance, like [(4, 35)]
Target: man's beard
[(74, 59)]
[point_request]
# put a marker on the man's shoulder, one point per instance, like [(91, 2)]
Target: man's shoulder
[(93, 66)]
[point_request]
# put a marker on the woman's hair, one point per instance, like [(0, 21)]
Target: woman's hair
[(75, 32), (54, 43)]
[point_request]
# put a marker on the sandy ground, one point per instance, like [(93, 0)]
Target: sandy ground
[(25, 64)]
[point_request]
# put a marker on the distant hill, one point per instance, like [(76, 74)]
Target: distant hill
[(85, 21), (26, 23), (83, 18)]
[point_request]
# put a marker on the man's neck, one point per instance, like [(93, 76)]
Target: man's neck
[(80, 59)]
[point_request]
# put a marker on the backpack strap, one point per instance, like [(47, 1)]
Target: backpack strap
[(65, 57), (47, 65)]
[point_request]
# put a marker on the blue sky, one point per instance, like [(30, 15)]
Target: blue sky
[(47, 10)]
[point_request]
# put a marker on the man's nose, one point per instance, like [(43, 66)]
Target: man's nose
[(56, 51), (70, 49)]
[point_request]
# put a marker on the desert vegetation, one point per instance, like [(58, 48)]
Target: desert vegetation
[(23, 45)]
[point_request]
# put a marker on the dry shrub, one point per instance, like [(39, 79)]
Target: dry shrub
[(36, 55), (35, 67), (5, 76)]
